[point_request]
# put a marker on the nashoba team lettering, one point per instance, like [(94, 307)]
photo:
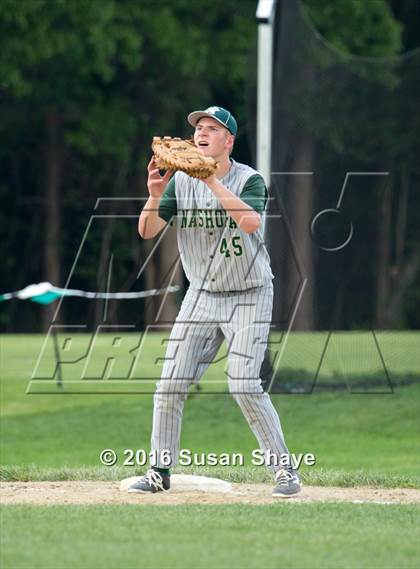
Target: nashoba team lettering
[(205, 218)]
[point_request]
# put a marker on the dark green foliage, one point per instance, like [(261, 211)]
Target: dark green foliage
[(110, 75)]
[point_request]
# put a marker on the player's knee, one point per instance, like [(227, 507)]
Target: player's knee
[(243, 368), (239, 387), (172, 388)]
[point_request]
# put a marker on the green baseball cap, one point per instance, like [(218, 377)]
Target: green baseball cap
[(219, 114)]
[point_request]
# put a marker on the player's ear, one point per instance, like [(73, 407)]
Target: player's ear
[(230, 141)]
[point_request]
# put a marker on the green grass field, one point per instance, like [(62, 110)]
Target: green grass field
[(195, 536), (357, 438), (374, 435)]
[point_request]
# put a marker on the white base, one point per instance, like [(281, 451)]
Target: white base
[(187, 483)]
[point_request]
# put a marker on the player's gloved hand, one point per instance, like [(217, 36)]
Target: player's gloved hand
[(156, 183), (182, 155)]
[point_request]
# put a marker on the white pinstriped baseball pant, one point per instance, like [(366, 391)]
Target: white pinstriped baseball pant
[(204, 320)]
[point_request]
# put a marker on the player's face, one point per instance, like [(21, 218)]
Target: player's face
[(214, 139)]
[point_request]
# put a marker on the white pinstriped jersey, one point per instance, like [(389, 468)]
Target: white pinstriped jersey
[(216, 255)]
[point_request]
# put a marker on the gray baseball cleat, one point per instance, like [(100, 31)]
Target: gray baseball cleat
[(288, 484), (152, 482)]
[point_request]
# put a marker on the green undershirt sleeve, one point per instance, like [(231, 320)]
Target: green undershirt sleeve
[(167, 204), (254, 193)]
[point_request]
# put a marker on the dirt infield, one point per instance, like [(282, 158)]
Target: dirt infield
[(81, 492)]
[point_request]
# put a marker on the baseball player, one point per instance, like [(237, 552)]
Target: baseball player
[(220, 238)]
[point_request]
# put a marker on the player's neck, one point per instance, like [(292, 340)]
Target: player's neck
[(224, 166)]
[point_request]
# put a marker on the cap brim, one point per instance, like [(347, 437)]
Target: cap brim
[(194, 117)]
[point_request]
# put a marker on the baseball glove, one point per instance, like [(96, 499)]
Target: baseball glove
[(178, 154)]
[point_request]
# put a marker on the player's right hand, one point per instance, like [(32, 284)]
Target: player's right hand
[(156, 183)]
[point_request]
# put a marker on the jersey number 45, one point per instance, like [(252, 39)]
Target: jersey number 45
[(237, 249)]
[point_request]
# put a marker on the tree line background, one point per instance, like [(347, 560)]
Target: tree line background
[(85, 84)]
